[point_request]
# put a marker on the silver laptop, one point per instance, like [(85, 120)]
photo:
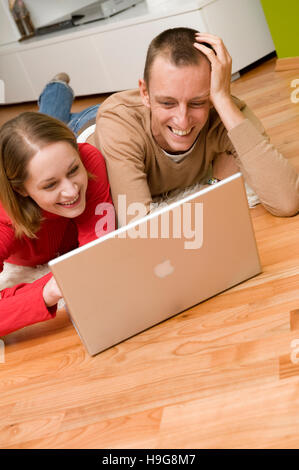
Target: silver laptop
[(159, 266)]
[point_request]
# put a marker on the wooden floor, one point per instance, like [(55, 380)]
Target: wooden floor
[(224, 374)]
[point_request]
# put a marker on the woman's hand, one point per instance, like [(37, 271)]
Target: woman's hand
[(51, 293), (221, 65)]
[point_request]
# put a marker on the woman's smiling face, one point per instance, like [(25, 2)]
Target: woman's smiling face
[(57, 180)]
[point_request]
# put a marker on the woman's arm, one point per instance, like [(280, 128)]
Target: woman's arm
[(23, 305)]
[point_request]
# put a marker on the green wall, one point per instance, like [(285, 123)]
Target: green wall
[(283, 19)]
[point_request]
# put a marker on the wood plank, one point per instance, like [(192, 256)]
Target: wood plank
[(264, 416), (287, 63), (138, 430), (294, 319), (289, 363)]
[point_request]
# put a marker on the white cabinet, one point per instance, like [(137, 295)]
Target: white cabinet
[(109, 55), (17, 86), (77, 57), (2, 92)]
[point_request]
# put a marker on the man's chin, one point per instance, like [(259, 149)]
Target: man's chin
[(180, 147)]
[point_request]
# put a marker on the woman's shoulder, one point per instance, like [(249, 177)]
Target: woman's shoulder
[(90, 155), (4, 217), (92, 159)]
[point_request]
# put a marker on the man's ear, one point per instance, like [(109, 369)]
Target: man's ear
[(144, 93)]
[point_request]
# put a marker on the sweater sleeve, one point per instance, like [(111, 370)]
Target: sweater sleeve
[(265, 169), (23, 305)]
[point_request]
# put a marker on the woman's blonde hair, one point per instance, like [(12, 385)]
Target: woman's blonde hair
[(20, 139)]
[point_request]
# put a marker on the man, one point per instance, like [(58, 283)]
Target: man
[(183, 121)]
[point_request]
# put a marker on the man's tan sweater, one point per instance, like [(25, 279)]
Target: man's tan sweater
[(138, 168)]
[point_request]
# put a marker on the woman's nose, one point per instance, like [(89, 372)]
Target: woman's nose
[(69, 189)]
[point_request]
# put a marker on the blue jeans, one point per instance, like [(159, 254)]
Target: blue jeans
[(56, 100)]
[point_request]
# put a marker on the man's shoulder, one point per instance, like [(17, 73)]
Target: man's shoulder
[(123, 116), (123, 101)]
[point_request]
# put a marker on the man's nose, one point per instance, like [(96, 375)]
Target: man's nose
[(182, 117)]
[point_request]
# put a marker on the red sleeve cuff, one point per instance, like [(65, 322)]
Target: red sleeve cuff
[(24, 305)]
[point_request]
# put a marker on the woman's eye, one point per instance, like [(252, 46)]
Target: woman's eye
[(73, 170), (50, 185)]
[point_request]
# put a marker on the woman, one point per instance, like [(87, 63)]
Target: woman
[(52, 190)]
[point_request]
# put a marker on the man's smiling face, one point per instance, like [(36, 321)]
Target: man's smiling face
[(178, 97)]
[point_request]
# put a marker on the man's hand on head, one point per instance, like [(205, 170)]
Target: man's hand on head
[(221, 65), (221, 69)]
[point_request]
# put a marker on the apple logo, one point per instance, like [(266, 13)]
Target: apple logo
[(164, 269)]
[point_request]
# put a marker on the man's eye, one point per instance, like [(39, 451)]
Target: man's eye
[(197, 104), (167, 103)]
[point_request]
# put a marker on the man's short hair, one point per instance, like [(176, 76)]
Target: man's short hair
[(176, 44)]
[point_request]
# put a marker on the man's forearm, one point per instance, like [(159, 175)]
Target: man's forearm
[(267, 172), (229, 113), (270, 175)]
